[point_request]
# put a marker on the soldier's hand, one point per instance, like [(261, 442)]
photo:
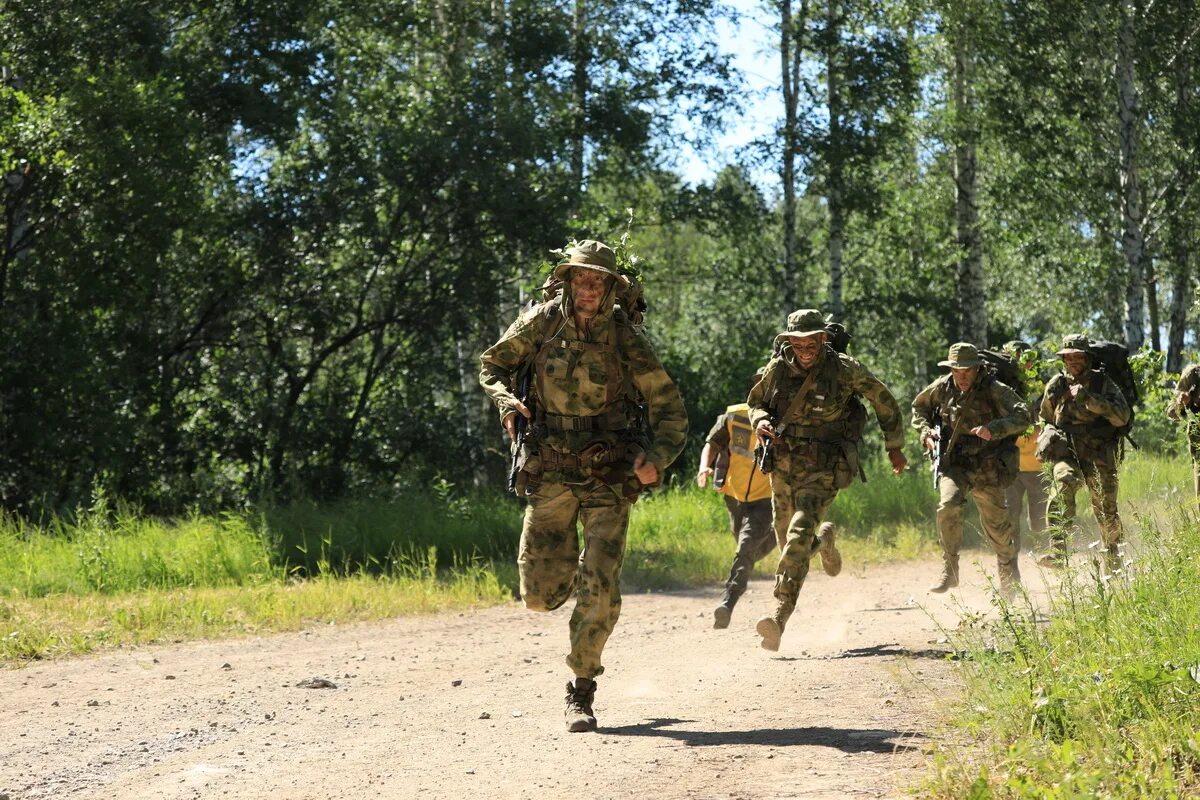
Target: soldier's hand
[(929, 440), (702, 476), (899, 462), (645, 470), (765, 428), (1075, 389), (982, 432), (510, 419)]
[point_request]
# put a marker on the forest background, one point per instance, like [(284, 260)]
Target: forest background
[(251, 251)]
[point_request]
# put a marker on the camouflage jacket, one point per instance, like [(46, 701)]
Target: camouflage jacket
[(1188, 386), (1096, 413), (988, 403), (839, 377), (611, 375)]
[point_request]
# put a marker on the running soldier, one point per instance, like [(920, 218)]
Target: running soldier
[(1186, 404), (1084, 411), (971, 420), (594, 379), (807, 409)]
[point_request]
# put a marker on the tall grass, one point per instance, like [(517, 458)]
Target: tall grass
[(1100, 700), (440, 542)]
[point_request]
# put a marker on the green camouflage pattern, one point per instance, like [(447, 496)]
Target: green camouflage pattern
[(552, 569), (1189, 384), (806, 478), (980, 469), (613, 374), (1092, 463), (830, 399), (576, 373), (988, 403)]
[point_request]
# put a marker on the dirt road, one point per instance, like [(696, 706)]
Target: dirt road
[(470, 704)]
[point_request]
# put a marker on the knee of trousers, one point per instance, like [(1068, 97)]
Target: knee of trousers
[(546, 585)]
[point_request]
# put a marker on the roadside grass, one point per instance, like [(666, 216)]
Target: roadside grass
[(111, 576), (1099, 697)]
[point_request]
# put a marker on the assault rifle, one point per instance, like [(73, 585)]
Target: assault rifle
[(939, 447), (521, 426)]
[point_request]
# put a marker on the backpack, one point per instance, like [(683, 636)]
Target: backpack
[(1112, 358), (1004, 368), (839, 337)]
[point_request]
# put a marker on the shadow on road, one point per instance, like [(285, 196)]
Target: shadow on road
[(890, 649), (849, 740)]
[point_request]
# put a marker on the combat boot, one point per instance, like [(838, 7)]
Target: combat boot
[(1010, 577), (771, 628), (1113, 562), (581, 693), (831, 559), (949, 577), (724, 611), (1055, 557)]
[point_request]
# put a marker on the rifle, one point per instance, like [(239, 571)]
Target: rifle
[(764, 454), (521, 425), (939, 448)]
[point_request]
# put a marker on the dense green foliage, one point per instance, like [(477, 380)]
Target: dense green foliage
[(251, 251), (1099, 700)]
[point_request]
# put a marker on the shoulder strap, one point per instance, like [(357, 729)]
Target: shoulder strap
[(801, 394)]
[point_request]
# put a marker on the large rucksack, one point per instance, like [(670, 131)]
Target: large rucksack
[(1004, 368), (1112, 358)]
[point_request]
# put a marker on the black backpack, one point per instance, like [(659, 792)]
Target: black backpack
[(1004, 368), (839, 337), (1112, 358)]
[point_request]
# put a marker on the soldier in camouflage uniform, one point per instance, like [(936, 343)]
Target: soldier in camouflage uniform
[(806, 405), (1186, 404), (606, 422), (728, 456), (977, 417), (1083, 409)]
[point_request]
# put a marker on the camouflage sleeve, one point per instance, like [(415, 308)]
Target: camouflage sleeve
[(1054, 388), (924, 406), (718, 435), (887, 410), (1109, 403), (664, 406), (1014, 417), (759, 399), (500, 362)]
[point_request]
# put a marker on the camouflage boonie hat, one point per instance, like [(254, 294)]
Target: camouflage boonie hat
[(1016, 346), (590, 254), (962, 355), (805, 322), (1075, 343)]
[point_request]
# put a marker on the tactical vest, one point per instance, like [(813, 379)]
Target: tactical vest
[(601, 395), (742, 479)]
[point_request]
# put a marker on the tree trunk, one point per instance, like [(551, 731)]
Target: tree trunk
[(1132, 235), (972, 299), (1180, 230), (579, 87), (835, 198), (790, 48), (1152, 303)]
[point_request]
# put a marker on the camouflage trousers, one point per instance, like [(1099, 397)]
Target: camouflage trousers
[(1193, 437), (751, 526), (953, 487), (1101, 482), (552, 567), (798, 504), (1027, 486)]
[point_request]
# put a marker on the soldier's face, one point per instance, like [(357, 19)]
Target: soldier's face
[(588, 287), (1076, 363), (807, 348), (963, 378)]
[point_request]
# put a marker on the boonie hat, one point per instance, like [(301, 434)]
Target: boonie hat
[(962, 355), (590, 254), (1075, 343)]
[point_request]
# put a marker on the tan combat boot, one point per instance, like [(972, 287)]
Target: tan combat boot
[(831, 559), (1010, 577), (771, 628), (724, 611), (1113, 562), (1056, 556), (581, 693), (949, 577)]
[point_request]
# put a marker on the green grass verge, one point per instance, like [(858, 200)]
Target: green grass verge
[(98, 579), (1102, 699)]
